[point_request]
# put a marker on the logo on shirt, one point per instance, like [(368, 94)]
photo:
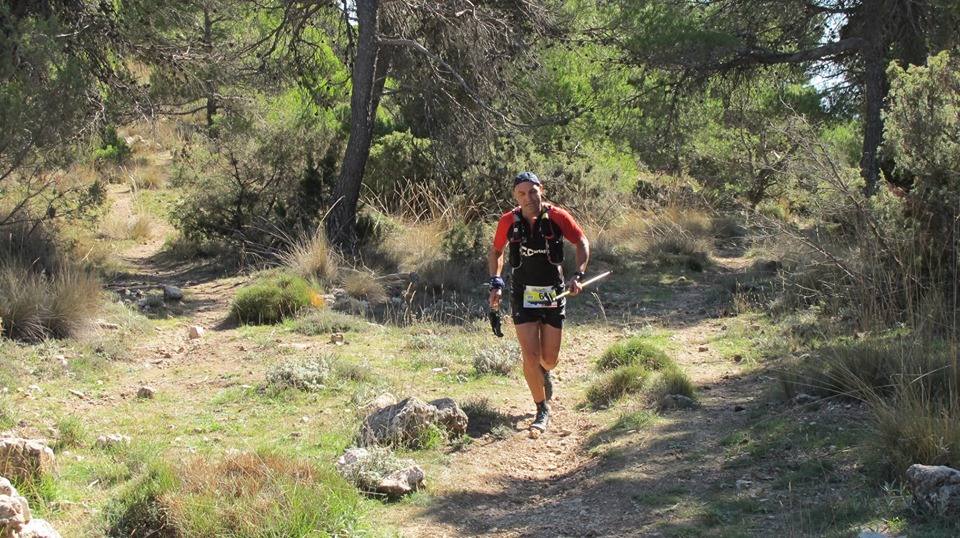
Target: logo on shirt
[(526, 251)]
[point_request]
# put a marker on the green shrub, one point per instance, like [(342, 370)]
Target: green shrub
[(616, 384), (325, 321), (113, 148), (306, 374), (668, 381), (464, 242), (634, 351), (272, 298)]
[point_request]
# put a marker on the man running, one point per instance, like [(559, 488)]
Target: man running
[(535, 232)]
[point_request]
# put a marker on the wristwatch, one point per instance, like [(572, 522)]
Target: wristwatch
[(578, 276)]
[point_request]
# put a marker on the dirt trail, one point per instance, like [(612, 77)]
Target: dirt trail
[(558, 486)]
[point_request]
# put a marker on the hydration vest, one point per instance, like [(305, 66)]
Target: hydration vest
[(520, 235)]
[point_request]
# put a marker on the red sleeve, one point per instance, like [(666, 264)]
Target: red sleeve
[(500, 237), (568, 227)]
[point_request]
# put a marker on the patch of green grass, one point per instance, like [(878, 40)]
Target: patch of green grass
[(634, 351), (39, 491), (616, 384), (660, 498), (326, 321), (8, 415), (636, 420), (72, 433), (430, 438)]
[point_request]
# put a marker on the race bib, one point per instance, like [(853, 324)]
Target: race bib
[(539, 297)]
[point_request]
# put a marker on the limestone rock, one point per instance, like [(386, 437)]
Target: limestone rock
[(378, 471), (25, 458), (403, 423), (677, 401), (172, 293), (15, 517), (195, 332), (936, 488), (146, 392), (384, 400), (450, 416), (39, 528), (113, 440)]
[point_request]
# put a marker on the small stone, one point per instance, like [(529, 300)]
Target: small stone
[(702, 349), (738, 408), (803, 399), (677, 401), (337, 339), (743, 484), (195, 332), (146, 392), (38, 528), (172, 293), (738, 358), (104, 324)]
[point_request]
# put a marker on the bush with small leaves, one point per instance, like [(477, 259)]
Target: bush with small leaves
[(306, 374), (498, 359)]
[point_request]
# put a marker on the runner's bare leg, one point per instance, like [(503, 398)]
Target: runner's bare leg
[(528, 334)]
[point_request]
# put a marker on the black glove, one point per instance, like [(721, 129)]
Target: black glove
[(495, 320)]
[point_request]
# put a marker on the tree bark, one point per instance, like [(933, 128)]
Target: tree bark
[(208, 84), (875, 89), (369, 74)]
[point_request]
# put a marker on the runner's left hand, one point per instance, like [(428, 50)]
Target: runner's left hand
[(574, 287)]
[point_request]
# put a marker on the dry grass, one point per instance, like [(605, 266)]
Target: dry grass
[(138, 227), (415, 245), (149, 177), (312, 257), (36, 305), (365, 286)]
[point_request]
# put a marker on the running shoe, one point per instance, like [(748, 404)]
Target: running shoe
[(543, 417)]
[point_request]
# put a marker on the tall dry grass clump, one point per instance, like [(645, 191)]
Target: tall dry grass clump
[(311, 256), (41, 295)]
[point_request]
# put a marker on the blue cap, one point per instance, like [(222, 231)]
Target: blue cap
[(526, 176)]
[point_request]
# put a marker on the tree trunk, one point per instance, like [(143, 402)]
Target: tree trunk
[(208, 84), (369, 74), (877, 35)]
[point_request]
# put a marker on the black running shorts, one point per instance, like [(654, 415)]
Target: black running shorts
[(551, 316)]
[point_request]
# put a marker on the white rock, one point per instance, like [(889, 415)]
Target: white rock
[(195, 332), (936, 488), (113, 440), (39, 528), (25, 458)]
